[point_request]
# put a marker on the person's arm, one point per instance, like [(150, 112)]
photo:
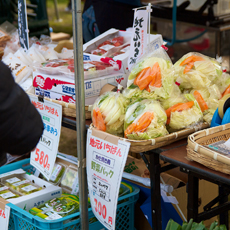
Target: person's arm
[(21, 125)]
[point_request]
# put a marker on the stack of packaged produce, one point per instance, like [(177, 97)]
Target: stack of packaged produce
[(161, 98)]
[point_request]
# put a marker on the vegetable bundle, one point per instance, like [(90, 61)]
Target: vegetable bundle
[(161, 97)]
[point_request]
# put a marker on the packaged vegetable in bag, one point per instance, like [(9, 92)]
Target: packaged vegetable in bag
[(108, 113), (153, 73), (57, 173), (6, 193), (145, 119), (57, 208), (184, 115), (195, 71), (69, 178)]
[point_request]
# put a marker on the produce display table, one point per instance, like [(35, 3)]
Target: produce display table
[(176, 155)]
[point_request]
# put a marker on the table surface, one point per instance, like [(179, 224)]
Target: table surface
[(176, 154)]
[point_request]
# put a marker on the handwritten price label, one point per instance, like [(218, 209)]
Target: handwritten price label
[(101, 210), (42, 158), (4, 214)]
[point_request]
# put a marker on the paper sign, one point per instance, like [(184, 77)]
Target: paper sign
[(139, 36), (105, 165), (44, 156), (4, 214), (23, 25)]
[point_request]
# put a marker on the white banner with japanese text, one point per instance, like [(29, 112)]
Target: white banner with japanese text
[(139, 36), (105, 165), (44, 156)]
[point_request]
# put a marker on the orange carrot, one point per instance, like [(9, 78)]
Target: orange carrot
[(130, 129), (169, 110), (203, 105), (156, 73), (158, 82), (168, 121), (144, 122), (188, 67), (187, 60), (227, 91), (144, 78), (184, 106), (98, 120), (192, 58)]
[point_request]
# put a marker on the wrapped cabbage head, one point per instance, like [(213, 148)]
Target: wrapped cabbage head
[(108, 113), (195, 71), (145, 119), (184, 115)]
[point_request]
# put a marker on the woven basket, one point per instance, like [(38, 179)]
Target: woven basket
[(197, 151), (138, 146), (68, 109)]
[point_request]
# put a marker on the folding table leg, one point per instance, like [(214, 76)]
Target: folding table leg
[(224, 198), (155, 190), (193, 190)]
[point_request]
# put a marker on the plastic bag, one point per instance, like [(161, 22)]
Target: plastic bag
[(153, 73), (195, 71), (145, 119), (108, 113)]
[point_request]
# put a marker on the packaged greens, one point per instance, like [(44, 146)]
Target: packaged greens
[(57, 207), (153, 73), (10, 181), (57, 173), (145, 119), (184, 115), (69, 178), (6, 193), (108, 113), (195, 71)]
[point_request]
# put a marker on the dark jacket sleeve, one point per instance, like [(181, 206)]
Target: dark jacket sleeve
[(21, 125)]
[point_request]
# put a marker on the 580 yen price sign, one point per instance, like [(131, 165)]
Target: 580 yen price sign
[(42, 158)]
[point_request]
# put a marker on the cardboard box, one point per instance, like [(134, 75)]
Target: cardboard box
[(27, 202), (62, 97), (155, 42), (65, 86), (207, 192)]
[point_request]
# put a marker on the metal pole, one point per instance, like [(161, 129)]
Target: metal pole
[(80, 111), (56, 9)]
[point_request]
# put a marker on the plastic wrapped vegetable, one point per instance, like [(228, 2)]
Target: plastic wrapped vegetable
[(195, 71), (69, 178), (145, 119), (5, 193), (10, 181), (183, 115), (57, 173), (153, 73), (108, 113), (57, 207)]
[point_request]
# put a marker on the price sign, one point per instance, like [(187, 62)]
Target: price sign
[(105, 165), (23, 25), (44, 156), (139, 36), (4, 214)]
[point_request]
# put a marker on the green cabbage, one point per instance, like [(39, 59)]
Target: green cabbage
[(208, 114), (112, 107), (157, 126)]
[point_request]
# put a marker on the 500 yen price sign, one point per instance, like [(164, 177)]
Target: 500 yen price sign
[(44, 156)]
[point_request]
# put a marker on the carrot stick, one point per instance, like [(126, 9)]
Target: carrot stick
[(98, 120), (158, 82), (130, 129), (192, 58), (203, 105), (184, 106), (168, 121), (188, 67), (227, 91), (144, 122), (156, 72), (144, 79), (169, 110)]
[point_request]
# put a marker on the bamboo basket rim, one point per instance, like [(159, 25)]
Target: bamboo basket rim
[(160, 141), (217, 131)]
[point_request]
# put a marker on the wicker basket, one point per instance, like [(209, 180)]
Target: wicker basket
[(138, 146), (68, 109), (197, 151)]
